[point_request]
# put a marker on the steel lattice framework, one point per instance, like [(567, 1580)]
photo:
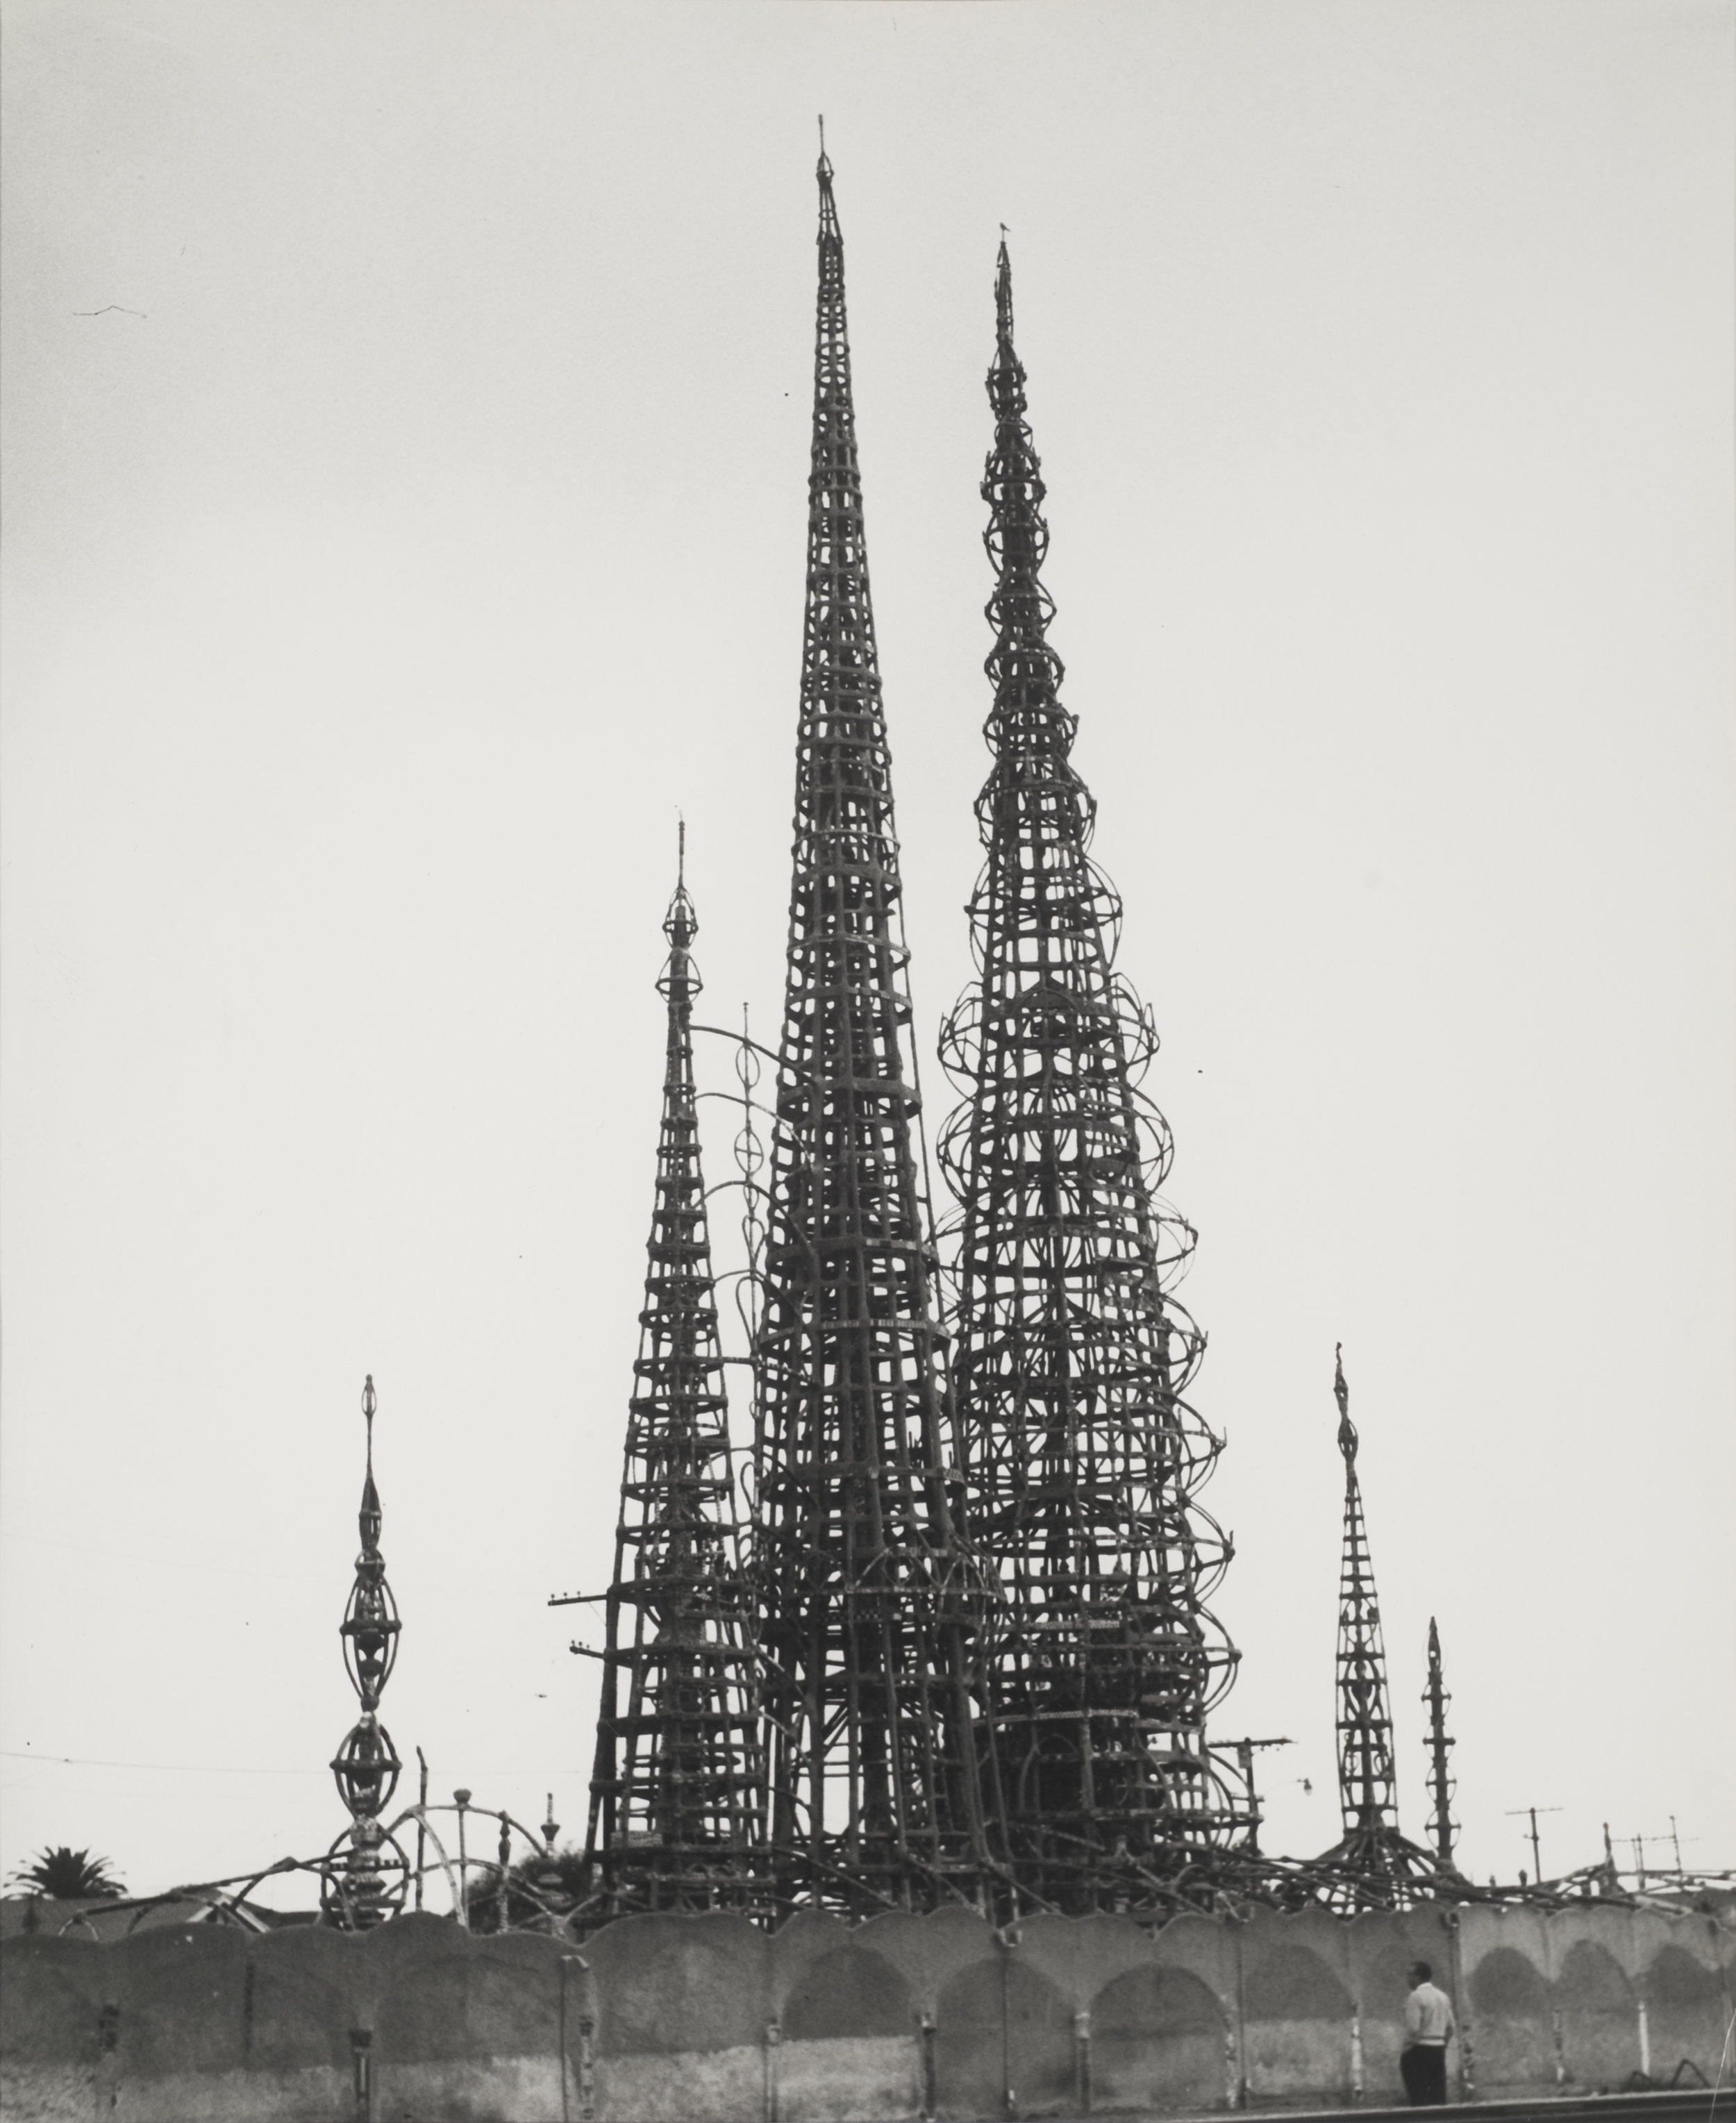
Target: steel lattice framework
[(674, 1819), (1072, 1357), (866, 1597), (1377, 1867)]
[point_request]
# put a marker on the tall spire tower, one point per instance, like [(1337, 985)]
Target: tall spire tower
[(1375, 1862), (864, 1589), (674, 1812), (1072, 1357)]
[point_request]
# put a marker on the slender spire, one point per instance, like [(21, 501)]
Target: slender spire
[(366, 1767), (1441, 1823), (1375, 1865), (1072, 1356), (1366, 1782), (673, 1821), (873, 1758)]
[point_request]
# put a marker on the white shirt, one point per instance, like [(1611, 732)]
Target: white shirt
[(1428, 2016)]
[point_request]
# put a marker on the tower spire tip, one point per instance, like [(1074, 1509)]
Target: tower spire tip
[(1341, 1394)]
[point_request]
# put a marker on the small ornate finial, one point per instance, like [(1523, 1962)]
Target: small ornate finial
[(1341, 1394), (824, 170)]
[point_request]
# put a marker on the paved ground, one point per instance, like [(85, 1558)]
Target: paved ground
[(1682, 2104)]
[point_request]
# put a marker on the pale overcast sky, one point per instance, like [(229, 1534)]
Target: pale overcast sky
[(405, 457)]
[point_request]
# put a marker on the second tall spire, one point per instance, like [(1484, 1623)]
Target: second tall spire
[(865, 1588), (1073, 1359)]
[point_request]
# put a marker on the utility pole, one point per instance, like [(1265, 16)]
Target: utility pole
[(1244, 1752), (1641, 1870), (1530, 1813)]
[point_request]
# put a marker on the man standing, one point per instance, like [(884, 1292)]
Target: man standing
[(1428, 2024)]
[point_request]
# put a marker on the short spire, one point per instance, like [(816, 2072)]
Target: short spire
[(1436, 1698), (367, 1889), (1375, 1866), (674, 1814)]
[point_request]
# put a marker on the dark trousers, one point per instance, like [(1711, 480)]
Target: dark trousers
[(1424, 2070)]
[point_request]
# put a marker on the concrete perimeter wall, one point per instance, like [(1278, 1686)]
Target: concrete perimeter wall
[(707, 2020)]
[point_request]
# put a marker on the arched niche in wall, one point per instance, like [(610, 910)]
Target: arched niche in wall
[(1512, 2027), (1158, 2041), (1600, 2020), (1688, 2011), (847, 1993), (1296, 2037), (1004, 2041)]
